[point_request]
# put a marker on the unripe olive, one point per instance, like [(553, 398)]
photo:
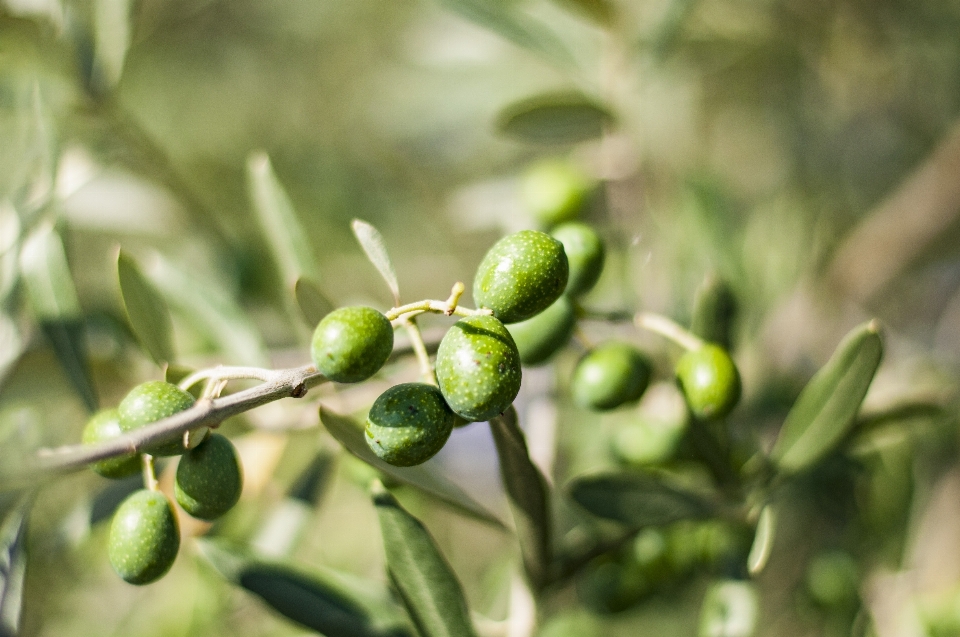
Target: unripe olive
[(709, 380), (610, 375), (554, 190), (144, 537), (539, 337), (521, 275), (351, 344), (150, 402), (209, 478), (103, 426), (408, 424), (585, 255), (478, 367)]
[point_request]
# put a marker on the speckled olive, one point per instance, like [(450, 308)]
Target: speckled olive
[(478, 367), (521, 275), (554, 190), (351, 344), (144, 537), (609, 376), (538, 338), (709, 380), (585, 255), (103, 426), (209, 478), (408, 424), (150, 402)]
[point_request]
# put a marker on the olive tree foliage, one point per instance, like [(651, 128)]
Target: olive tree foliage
[(773, 185)]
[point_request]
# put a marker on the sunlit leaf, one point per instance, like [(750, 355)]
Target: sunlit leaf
[(349, 433), (13, 566), (426, 583), (763, 539), (333, 604), (730, 609), (112, 34), (376, 250), (146, 310), (554, 118), (827, 406), (637, 499), (313, 303), (528, 495)]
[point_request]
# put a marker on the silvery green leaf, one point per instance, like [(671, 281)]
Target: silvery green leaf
[(637, 499), (313, 303), (112, 35), (146, 311), (763, 539), (372, 243)]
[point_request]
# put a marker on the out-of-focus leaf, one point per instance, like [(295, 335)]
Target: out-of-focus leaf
[(528, 495), (554, 118), (827, 406), (313, 303), (426, 583), (714, 311), (112, 495), (637, 499), (330, 603), (376, 250), (11, 344), (600, 11), (314, 480), (668, 32), (111, 41), (283, 230), (211, 310), (53, 297), (13, 566), (730, 609), (349, 433), (9, 243), (762, 541), (146, 311)]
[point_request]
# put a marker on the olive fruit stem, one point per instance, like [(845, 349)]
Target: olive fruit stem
[(420, 349), (223, 373), (149, 474), (663, 326), (447, 308)]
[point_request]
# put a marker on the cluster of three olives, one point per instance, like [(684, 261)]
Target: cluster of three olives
[(144, 534)]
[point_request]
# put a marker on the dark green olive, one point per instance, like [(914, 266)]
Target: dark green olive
[(144, 537), (609, 376), (554, 190), (150, 402), (709, 380), (209, 478), (539, 337), (351, 344), (408, 424), (585, 255), (478, 367), (521, 275), (103, 426)]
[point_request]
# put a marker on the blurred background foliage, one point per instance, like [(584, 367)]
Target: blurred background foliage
[(807, 152)]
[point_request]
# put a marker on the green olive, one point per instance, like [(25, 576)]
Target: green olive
[(585, 255), (209, 478), (709, 380), (538, 338), (150, 402), (478, 367), (351, 344), (554, 190), (521, 275), (609, 376), (408, 424), (103, 426), (144, 537)]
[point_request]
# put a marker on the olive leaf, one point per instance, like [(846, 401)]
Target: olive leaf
[(554, 118), (427, 585), (600, 11), (146, 310), (331, 603), (13, 565), (714, 311), (827, 406), (637, 499), (349, 433), (762, 541), (53, 298), (528, 495), (730, 609), (112, 35), (372, 243), (311, 300)]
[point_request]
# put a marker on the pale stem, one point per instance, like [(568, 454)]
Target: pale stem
[(420, 349), (454, 299), (448, 307), (668, 329), (227, 373), (149, 475)]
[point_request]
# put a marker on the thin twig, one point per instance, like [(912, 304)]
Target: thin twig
[(420, 348), (227, 373)]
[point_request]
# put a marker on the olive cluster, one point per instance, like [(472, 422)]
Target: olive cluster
[(145, 534)]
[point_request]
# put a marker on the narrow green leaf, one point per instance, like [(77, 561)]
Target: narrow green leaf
[(146, 311), (13, 566), (637, 499), (372, 243), (762, 541), (285, 234), (313, 303), (331, 603), (730, 609), (427, 585), (827, 406), (528, 494), (600, 11), (9, 249), (70, 345), (714, 311), (349, 433), (112, 34), (554, 118)]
